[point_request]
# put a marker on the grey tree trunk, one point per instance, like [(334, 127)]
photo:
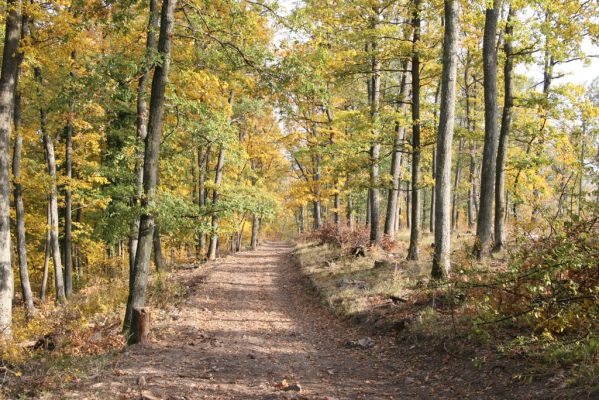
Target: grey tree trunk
[(431, 217), (141, 125), (68, 222), (52, 197), (8, 78), (441, 259), (202, 156), (157, 245), (215, 195), (337, 212), (317, 210), (456, 182), (375, 150), (255, 228), (396, 159), (416, 215), (484, 225), (44, 286), (141, 267), (350, 212), (18, 198), (506, 122), (302, 227)]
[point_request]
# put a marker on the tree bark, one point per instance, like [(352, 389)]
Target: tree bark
[(441, 259), (8, 77), (416, 215), (506, 121), (44, 285), (484, 225), (157, 245), (375, 149), (52, 197), (215, 195), (141, 125), (255, 228), (396, 160), (18, 191), (456, 183), (150, 170), (68, 200)]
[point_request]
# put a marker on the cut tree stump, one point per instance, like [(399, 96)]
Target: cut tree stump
[(140, 327)]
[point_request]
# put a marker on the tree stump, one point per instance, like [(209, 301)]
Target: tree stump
[(140, 327)]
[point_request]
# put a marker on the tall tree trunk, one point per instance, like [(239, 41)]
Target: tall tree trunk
[(441, 259), (68, 200), (337, 204), (141, 125), (396, 159), (141, 267), (255, 228), (215, 195), (157, 245), (44, 285), (53, 196), (302, 227), (18, 197), (506, 122), (415, 227), (350, 212), (375, 146), (431, 217), (456, 184), (8, 78), (484, 225)]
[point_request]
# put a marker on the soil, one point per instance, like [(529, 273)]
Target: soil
[(251, 328)]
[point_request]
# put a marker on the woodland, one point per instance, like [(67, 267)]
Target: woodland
[(430, 168)]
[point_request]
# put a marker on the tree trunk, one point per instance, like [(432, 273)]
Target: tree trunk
[(302, 227), (157, 245), (441, 259), (484, 225), (255, 227), (8, 77), (18, 193), (396, 159), (150, 169), (68, 200), (431, 217), (52, 198), (456, 183), (375, 149), (415, 227), (350, 212), (506, 121), (217, 181), (141, 126), (44, 286), (337, 204)]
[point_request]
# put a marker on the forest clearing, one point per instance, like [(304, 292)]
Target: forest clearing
[(311, 199)]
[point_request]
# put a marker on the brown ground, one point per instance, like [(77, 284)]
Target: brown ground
[(251, 322)]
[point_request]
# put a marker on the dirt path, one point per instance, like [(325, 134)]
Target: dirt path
[(250, 322)]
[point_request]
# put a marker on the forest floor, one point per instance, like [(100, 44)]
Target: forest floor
[(252, 328)]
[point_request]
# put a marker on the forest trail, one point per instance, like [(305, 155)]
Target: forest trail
[(249, 323)]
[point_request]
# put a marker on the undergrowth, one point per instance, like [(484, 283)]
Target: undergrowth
[(62, 344), (539, 300)]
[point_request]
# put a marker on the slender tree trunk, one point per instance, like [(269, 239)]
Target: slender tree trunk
[(396, 159), (68, 200), (416, 216), (8, 78), (157, 245), (337, 204), (506, 121), (441, 258), (350, 212), (484, 225), (302, 227), (456, 183), (215, 195), (18, 193), (44, 285), (150, 169), (431, 217), (141, 126), (255, 228), (52, 198)]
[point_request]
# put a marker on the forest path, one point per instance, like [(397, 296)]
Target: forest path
[(250, 322)]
